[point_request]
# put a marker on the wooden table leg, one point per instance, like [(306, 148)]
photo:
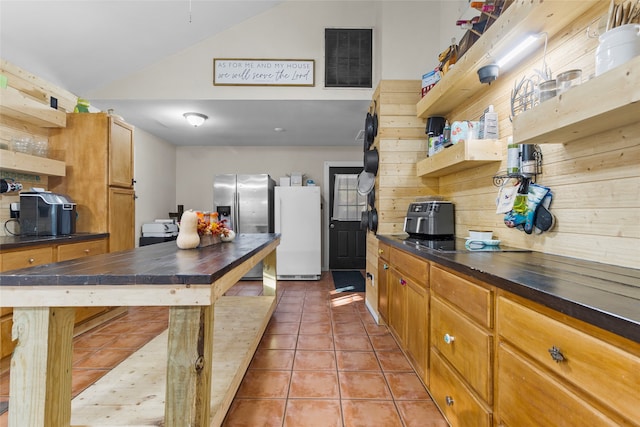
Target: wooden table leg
[(269, 274), (189, 365), (40, 383)]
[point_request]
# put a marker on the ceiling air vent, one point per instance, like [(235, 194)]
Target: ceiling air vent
[(348, 57)]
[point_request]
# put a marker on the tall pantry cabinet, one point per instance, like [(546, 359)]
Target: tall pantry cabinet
[(98, 151)]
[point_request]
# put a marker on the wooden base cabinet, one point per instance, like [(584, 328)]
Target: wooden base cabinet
[(461, 342), (417, 335), (528, 396), (23, 258), (404, 299), (456, 400), (397, 288), (383, 282), (562, 369)]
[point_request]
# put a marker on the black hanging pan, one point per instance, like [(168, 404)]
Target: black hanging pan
[(373, 220), (371, 160), (375, 120), (368, 131), (371, 198)]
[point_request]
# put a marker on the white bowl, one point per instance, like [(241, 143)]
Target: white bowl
[(480, 235)]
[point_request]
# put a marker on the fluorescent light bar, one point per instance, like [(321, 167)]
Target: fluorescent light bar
[(518, 50)]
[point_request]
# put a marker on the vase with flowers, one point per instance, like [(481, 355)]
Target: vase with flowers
[(212, 229)]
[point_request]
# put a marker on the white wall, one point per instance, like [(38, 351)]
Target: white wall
[(408, 35), (197, 166), (155, 175)]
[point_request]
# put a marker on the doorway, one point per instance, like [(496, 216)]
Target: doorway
[(347, 241)]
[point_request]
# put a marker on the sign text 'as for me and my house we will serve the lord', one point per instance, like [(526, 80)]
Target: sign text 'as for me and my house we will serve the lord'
[(263, 72)]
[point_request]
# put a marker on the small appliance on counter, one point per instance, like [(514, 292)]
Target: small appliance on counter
[(158, 231), (160, 228), (430, 219), (43, 213)]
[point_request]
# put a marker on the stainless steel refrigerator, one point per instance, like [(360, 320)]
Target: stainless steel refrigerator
[(246, 202)]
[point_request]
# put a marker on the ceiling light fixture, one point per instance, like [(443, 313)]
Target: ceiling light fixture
[(195, 119)]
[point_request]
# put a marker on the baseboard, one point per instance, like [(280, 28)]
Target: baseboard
[(298, 276), (372, 311)]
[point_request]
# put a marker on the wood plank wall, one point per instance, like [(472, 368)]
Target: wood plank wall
[(595, 181), (401, 142)]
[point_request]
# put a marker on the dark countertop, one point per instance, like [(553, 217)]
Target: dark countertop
[(23, 242), (162, 263), (603, 295)]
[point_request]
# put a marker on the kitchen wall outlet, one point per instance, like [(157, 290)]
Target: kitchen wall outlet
[(14, 210)]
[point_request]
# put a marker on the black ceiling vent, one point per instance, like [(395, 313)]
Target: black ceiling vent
[(348, 57)]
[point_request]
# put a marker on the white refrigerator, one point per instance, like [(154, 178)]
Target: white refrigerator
[(298, 220)]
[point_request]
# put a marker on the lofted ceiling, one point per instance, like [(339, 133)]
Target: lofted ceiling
[(83, 46)]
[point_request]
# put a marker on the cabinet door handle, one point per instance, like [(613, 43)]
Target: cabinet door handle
[(380, 251), (448, 400), (449, 339), (31, 260), (556, 354), (403, 282), (385, 267), (86, 251)]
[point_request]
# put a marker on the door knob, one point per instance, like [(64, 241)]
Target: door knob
[(332, 226)]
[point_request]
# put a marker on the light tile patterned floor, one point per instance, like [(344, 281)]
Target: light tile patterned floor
[(323, 361)]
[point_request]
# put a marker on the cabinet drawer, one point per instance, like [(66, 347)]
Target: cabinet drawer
[(456, 401), (384, 251), (608, 373), (81, 249), (465, 346), (26, 258), (473, 299), (411, 265), (529, 397)]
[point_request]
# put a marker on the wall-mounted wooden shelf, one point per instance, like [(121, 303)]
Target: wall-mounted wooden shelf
[(25, 163), (17, 105), (606, 102), (461, 156), (523, 16)]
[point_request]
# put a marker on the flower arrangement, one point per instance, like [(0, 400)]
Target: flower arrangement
[(210, 224)]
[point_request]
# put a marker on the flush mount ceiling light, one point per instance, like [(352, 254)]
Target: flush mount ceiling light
[(195, 119)]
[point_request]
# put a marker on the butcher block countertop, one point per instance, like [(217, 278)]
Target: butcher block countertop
[(603, 295)]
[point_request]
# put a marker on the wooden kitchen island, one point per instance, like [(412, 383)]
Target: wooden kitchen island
[(191, 282)]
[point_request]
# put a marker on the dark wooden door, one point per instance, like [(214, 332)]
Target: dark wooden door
[(347, 241)]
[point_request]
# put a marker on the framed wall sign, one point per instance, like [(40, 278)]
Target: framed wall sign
[(263, 72)]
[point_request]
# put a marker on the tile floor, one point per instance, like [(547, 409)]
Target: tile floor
[(323, 361)]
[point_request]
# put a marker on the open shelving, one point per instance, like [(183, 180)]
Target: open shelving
[(463, 155), (605, 102), (17, 105), (521, 17), (26, 163), (461, 81)]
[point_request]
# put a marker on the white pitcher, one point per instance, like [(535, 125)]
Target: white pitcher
[(617, 46)]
